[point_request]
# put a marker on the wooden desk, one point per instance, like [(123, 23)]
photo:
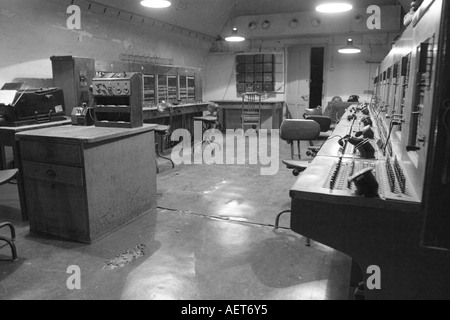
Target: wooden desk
[(81, 183), (231, 112), (182, 117), (8, 139), (180, 110)]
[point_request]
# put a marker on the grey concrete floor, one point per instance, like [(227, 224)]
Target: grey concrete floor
[(212, 238)]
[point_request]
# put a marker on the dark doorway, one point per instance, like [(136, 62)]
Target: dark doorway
[(316, 85)]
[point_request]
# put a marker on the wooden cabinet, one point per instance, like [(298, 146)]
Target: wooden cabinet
[(83, 183)]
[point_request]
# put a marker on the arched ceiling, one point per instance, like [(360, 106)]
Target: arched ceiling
[(210, 16)]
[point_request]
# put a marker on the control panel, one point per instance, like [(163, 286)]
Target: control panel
[(112, 88), (393, 184)]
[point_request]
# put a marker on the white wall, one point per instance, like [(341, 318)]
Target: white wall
[(352, 73), (33, 31)]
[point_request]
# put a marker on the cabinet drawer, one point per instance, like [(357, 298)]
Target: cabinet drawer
[(51, 152), (58, 210), (53, 173)]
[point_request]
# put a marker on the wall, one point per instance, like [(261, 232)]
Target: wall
[(352, 73), (345, 75), (33, 31)]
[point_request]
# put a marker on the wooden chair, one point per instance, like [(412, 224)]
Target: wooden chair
[(5, 177), (251, 111)]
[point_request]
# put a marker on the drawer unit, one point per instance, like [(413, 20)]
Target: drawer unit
[(83, 183), (53, 173), (51, 152)]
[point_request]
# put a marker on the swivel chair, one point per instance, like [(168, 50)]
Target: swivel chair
[(209, 122), (5, 177), (324, 122), (297, 131)]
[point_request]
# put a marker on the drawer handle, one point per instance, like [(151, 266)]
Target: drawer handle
[(51, 174)]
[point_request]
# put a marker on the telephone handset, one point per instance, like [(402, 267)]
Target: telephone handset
[(353, 98), (366, 183)]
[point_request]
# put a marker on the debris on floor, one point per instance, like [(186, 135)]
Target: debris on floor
[(125, 258)]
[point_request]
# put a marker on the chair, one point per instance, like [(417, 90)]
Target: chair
[(251, 111), (209, 122), (324, 122), (5, 177), (297, 131), (164, 132)]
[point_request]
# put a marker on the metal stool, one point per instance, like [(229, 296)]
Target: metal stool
[(10, 241), (162, 131), (5, 177)]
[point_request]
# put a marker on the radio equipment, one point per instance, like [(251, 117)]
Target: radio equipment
[(32, 106), (118, 99)]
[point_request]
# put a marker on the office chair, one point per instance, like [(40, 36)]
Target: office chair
[(251, 111), (5, 177), (324, 122), (313, 112), (297, 131), (209, 122)]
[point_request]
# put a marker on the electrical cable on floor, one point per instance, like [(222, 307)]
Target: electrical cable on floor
[(223, 218)]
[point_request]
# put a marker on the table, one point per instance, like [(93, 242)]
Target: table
[(271, 114), (182, 117), (8, 139), (82, 183)]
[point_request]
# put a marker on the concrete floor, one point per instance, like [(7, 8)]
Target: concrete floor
[(212, 237)]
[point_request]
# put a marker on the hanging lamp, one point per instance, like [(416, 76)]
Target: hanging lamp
[(235, 36), (350, 48), (156, 4), (334, 7)]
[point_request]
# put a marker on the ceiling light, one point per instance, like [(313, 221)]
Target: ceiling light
[(235, 37), (334, 7), (156, 4), (350, 48)]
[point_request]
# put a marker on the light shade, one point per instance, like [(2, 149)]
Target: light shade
[(350, 48), (235, 37), (157, 4), (334, 7)]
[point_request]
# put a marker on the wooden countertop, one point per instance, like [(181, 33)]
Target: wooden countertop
[(36, 126), (84, 134), (180, 106), (240, 101)]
